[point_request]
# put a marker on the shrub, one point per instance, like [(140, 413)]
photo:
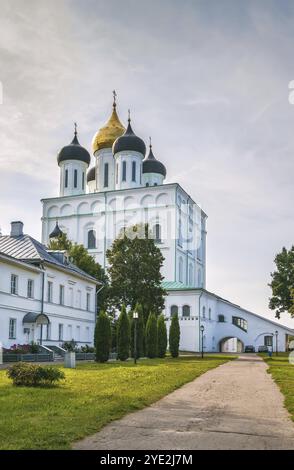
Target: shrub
[(34, 348), (102, 337), (31, 375), (123, 335), (174, 336), (140, 332), (162, 336), (87, 349), (70, 346), (151, 336)]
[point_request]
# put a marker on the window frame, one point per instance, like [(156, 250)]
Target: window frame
[(240, 322), (88, 302), (60, 332), (91, 244), (134, 171), (49, 292), (12, 332), (61, 294), (186, 311), (124, 171), (175, 312), (106, 175), (75, 178), (14, 284), (30, 290)]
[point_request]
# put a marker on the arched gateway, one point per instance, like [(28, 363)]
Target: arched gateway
[(231, 344)]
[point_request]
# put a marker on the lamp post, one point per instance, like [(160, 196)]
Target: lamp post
[(135, 318), (276, 333), (202, 330)]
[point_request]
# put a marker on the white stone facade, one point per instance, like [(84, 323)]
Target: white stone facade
[(24, 290), (182, 232), (227, 327)]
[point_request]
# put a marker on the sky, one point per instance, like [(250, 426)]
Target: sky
[(207, 79)]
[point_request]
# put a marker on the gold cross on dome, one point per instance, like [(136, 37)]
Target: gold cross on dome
[(114, 97)]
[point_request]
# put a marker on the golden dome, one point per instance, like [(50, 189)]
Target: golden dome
[(105, 137)]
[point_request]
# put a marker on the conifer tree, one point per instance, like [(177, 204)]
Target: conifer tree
[(151, 336), (102, 337), (162, 336), (174, 336), (123, 335)]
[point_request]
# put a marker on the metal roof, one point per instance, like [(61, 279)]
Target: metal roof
[(32, 317), (26, 248)]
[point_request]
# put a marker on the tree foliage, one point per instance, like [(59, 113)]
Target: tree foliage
[(140, 332), (282, 284), (102, 337), (79, 256), (123, 335), (174, 336), (151, 336), (162, 336), (134, 268)]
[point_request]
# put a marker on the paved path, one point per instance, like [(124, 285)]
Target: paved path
[(235, 406)]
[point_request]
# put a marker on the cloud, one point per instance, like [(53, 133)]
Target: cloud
[(209, 82)]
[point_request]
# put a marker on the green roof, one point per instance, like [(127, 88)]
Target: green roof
[(174, 285)]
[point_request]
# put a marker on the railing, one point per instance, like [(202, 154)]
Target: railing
[(85, 356), (7, 357)]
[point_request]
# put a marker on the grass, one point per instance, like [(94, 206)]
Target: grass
[(91, 396), (283, 374)]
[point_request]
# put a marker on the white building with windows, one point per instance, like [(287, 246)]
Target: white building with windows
[(43, 297), (126, 186)]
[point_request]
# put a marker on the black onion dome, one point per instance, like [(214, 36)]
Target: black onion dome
[(91, 175), (74, 151), (152, 165), (56, 232), (129, 141)]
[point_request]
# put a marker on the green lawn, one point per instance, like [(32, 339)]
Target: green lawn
[(91, 396), (283, 374)]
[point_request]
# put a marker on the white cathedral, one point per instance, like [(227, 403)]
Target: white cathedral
[(126, 186)]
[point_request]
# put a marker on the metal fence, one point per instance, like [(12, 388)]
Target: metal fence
[(27, 357)]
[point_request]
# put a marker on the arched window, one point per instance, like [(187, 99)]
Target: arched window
[(133, 171), (105, 175), (180, 270), (75, 178), (221, 318), (191, 274), (91, 239), (209, 314), (83, 180), (203, 312), (124, 171), (157, 233), (66, 179), (199, 278), (116, 176), (180, 238), (147, 185), (186, 310), (174, 310)]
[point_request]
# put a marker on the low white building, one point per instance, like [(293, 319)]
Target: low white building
[(226, 326), (43, 297)]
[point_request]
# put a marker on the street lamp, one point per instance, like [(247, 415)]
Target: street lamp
[(276, 333), (202, 330), (135, 318)]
